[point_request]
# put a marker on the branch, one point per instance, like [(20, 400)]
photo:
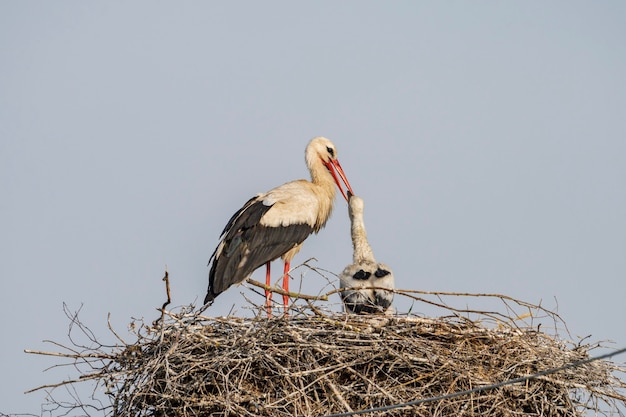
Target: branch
[(280, 291), (166, 278)]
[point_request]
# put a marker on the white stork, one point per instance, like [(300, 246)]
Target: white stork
[(364, 271), (274, 224)]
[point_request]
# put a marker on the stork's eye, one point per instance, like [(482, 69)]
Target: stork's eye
[(330, 150)]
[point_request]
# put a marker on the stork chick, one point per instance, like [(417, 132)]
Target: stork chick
[(364, 272)]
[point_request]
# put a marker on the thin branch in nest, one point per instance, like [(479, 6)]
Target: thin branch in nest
[(280, 291), (165, 278)]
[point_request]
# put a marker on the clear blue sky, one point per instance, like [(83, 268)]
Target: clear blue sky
[(488, 140)]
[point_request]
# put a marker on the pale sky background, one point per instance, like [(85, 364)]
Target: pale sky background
[(488, 140)]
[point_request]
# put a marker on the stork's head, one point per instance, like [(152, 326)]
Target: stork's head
[(323, 150), (355, 206)]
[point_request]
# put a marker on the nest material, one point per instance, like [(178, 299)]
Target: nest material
[(315, 364)]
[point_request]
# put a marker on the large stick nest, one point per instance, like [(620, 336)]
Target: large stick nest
[(315, 363)]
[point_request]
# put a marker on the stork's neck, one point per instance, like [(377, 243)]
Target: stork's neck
[(362, 249), (324, 188), (321, 177)]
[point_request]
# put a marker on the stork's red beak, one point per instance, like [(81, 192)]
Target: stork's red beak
[(335, 168)]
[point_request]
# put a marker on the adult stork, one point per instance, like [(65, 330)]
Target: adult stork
[(274, 224), (358, 279)]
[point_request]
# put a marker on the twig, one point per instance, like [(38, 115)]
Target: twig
[(283, 292), (169, 298)]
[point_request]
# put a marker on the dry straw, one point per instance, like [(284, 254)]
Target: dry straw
[(316, 363)]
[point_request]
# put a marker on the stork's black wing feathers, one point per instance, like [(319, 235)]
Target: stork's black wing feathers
[(254, 216), (357, 302), (383, 298), (247, 245)]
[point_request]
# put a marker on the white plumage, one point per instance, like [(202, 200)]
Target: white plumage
[(357, 278)]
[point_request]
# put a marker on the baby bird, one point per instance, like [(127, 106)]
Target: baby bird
[(364, 271)]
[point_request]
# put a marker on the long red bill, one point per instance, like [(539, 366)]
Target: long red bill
[(335, 168)]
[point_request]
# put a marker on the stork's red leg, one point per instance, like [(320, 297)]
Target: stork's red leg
[(286, 285), (268, 293)]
